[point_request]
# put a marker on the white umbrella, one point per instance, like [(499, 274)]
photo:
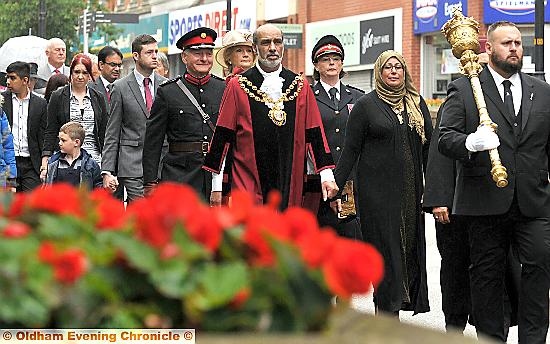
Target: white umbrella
[(23, 48)]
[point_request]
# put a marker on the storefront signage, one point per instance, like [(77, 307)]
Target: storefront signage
[(376, 37), (517, 11), (430, 15), (154, 25), (292, 35), (214, 16), (363, 37)]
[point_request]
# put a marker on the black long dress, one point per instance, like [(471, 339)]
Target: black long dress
[(390, 163)]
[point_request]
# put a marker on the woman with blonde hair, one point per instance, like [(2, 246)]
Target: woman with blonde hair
[(236, 54), (387, 138)]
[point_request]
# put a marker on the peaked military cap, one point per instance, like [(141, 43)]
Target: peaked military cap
[(328, 44), (199, 38)]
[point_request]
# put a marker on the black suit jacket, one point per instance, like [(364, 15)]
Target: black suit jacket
[(36, 124), (59, 113), (526, 158)]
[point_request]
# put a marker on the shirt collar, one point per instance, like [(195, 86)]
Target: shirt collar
[(327, 87), (52, 68), (514, 79), (27, 97), (269, 74), (104, 81), (140, 77)]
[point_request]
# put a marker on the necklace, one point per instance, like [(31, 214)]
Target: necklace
[(398, 110), (276, 112)]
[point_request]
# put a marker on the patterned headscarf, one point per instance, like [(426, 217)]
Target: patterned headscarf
[(394, 96)]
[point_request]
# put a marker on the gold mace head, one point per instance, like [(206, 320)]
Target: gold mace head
[(462, 33)]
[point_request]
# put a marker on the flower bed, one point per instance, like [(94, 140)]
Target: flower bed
[(76, 259)]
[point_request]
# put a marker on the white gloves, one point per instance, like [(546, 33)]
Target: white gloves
[(483, 139)]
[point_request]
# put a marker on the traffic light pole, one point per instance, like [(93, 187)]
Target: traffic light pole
[(539, 39)]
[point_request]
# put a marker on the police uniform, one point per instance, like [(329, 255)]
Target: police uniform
[(335, 118), (187, 132)]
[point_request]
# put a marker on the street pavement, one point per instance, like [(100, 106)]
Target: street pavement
[(434, 319)]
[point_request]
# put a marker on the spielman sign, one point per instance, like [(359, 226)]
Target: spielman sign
[(430, 15), (243, 16), (517, 11)]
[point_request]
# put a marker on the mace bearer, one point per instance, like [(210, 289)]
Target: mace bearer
[(462, 33)]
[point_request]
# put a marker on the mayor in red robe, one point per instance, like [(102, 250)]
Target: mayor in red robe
[(264, 155)]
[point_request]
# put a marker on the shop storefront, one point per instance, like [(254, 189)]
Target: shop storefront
[(363, 37), (438, 65), (212, 15)]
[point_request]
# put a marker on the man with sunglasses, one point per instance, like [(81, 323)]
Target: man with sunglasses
[(269, 129)]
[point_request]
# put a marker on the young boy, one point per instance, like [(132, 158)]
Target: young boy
[(72, 164)]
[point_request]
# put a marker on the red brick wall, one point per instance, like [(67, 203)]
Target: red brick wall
[(311, 11)]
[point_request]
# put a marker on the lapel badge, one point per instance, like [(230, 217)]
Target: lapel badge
[(316, 92), (531, 97), (347, 90)]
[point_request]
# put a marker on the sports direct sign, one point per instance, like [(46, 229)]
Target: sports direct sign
[(214, 16)]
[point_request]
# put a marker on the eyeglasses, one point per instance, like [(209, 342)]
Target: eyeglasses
[(389, 67), (114, 65), (327, 59)]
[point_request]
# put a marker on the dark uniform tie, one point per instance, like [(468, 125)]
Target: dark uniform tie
[(332, 93), (508, 99), (108, 92)]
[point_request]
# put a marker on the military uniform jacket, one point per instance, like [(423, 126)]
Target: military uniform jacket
[(175, 116), (335, 119)]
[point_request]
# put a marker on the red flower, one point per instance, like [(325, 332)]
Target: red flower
[(204, 228), (59, 199), (302, 223), (264, 223), (46, 252), (240, 298), (110, 211), (317, 247), (70, 265), (156, 215), (16, 230), (352, 267), (17, 205)]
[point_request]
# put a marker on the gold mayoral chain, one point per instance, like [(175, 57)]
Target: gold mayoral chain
[(276, 114)]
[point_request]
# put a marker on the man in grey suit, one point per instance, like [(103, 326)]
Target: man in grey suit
[(56, 53), (131, 101)]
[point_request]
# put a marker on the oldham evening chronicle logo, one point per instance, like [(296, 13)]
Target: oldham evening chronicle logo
[(514, 7), (426, 10)]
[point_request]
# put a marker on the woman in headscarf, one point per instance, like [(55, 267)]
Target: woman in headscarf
[(236, 54), (388, 135)]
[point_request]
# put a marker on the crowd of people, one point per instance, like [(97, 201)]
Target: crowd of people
[(264, 128)]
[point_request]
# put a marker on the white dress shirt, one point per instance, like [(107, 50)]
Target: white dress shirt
[(515, 87), (19, 128), (140, 78)]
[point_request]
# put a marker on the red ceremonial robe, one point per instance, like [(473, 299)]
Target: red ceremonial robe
[(263, 156)]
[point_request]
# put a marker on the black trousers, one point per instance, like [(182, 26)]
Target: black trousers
[(27, 177), (490, 240), (454, 277)]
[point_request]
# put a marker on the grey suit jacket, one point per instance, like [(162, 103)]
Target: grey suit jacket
[(45, 73), (123, 150)]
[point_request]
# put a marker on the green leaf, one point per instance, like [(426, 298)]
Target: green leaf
[(172, 278), (220, 283)]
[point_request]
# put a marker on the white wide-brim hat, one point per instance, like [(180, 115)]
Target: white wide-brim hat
[(231, 39)]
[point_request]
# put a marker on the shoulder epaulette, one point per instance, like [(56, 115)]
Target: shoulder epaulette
[(217, 77), (169, 81), (355, 88)]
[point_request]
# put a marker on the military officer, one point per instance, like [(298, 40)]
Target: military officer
[(185, 110), (335, 101)]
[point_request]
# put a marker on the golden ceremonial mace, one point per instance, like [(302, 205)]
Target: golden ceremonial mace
[(463, 35)]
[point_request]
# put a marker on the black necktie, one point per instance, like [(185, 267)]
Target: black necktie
[(332, 93), (508, 99)]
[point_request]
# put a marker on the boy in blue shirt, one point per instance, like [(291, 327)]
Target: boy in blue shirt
[(72, 164)]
